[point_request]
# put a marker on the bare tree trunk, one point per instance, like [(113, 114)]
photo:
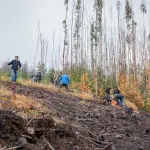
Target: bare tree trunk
[(53, 49), (72, 38)]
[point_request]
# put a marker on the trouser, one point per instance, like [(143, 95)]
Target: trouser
[(121, 102), (64, 85), (108, 98), (14, 75)]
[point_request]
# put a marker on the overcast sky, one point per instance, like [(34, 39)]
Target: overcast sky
[(19, 18)]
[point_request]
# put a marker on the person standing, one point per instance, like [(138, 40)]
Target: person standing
[(65, 81), (15, 65)]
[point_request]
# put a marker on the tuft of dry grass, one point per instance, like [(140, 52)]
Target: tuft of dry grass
[(38, 85), (50, 87), (22, 104), (83, 95), (132, 105), (88, 96), (4, 78)]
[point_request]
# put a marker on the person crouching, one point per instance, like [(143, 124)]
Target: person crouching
[(65, 81), (120, 99)]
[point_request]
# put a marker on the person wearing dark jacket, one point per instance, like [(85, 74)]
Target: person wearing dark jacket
[(108, 97), (15, 65), (116, 91)]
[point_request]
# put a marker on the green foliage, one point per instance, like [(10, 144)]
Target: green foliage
[(48, 76), (76, 73), (145, 105), (25, 71), (5, 73), (5, 69), (42, 68)]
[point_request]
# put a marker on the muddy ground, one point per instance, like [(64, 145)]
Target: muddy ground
[(86, 125)]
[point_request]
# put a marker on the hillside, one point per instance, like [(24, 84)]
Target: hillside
[(63, 122)]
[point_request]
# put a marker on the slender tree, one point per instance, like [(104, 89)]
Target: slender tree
[(98, 5), (77, 34), (128, 15), (65, 33)]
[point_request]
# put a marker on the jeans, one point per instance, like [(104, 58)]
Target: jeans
[(14, 75), (121, 101), (108, 98), (64, 85)]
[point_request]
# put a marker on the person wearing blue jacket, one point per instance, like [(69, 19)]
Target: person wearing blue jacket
[(65, 81), (15, 65)]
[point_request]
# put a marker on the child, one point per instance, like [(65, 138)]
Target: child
[(108, 97)]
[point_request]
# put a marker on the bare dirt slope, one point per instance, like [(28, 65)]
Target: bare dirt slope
[(83, 125)]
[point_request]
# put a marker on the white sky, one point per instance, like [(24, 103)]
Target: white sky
[(19, 18)]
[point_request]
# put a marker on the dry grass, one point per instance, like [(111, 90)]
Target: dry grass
[(132, 105), (4, 78), (49, 87), (22, 104), (25, 103), (38, 85), (83, 95)]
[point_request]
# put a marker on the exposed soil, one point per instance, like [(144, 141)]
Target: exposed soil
[(86, 125)]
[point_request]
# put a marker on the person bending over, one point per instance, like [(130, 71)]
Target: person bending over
[(120, 99), (65, 81)]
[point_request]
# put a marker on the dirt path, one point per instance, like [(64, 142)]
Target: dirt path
[(95, 126)]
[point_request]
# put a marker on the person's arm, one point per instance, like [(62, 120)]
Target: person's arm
[(19, 64), (59, 79), (115, 97), (10, 63), (69, 80)]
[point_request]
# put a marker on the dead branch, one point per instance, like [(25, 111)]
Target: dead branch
[(90, 140), (48, 143), (11, 148)]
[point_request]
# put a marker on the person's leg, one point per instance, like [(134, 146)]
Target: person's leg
[(16, 75), (61, 85), (118, 102), (12, 75), (122, 102), (66, 86), (107, 97)]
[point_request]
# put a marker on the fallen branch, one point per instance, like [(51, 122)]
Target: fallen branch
[(4, 148), (90, 140), (11, 148), (30, 122), (108, 147), (48, 143), (26, 136), (92, 134)]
